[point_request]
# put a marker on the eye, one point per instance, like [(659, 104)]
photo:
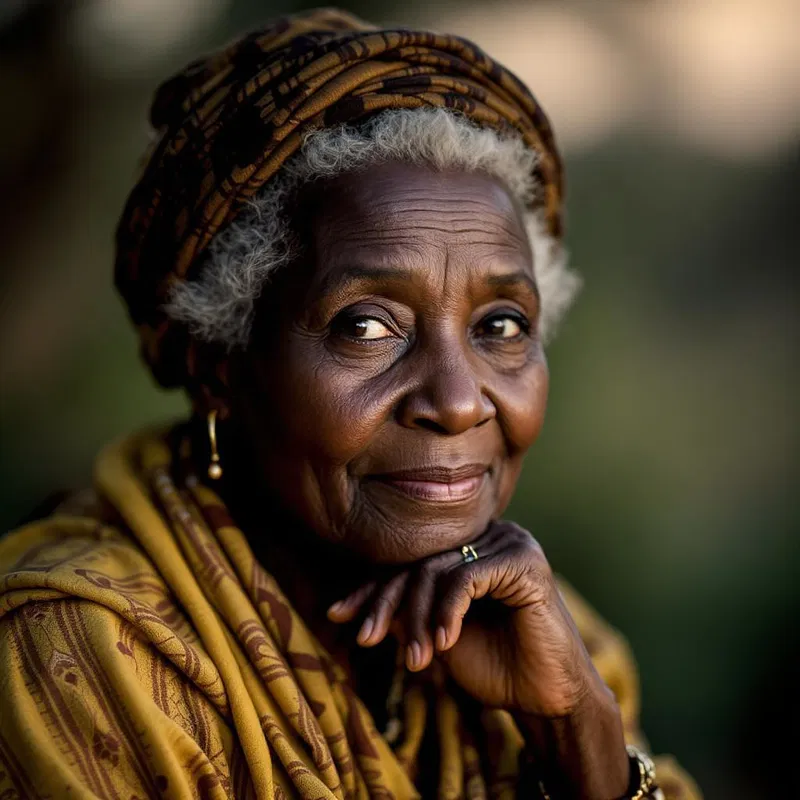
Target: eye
[(364, 328), (504, 326)]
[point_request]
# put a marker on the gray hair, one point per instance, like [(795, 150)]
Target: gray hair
[(220, 306)]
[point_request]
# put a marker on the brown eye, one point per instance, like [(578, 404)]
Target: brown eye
[(504, 326), (370, 328), (364, 328)]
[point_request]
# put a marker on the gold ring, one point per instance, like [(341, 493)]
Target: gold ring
[(469, 553)]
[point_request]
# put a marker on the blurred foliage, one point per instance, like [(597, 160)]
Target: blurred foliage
[(663, 484)]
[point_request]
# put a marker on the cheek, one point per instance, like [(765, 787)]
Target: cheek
[(308, 417), (325, 411), (521, 408)]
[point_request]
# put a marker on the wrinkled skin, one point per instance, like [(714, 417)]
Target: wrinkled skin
[(394, 382)]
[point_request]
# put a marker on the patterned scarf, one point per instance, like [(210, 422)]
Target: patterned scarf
[(145, 652), (227, 123)]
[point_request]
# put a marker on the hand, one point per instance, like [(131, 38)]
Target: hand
[(518, 648), (521, 652)]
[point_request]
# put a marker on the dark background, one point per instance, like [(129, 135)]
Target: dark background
[(664, 484)]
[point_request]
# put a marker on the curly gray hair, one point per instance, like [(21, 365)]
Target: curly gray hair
[(220, 306)]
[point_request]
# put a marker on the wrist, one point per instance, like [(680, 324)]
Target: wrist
[(581, 755)]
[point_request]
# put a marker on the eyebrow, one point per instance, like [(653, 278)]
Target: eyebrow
[(352, 274), (514, 279), (342, 278)]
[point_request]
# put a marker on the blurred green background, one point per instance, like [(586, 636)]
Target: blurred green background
[(663, 486)]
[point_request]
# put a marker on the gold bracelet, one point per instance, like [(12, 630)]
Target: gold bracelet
[(647, 772), (640, 764)]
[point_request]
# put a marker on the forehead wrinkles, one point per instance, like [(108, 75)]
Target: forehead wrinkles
[(405, 218)]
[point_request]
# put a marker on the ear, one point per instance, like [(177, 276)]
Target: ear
[(208, 387)]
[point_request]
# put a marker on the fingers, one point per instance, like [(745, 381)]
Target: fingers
[(439, 591), (463, 586), (423, 595), (420, 602), (387, 601), (512, 570), (384, 603), (346, 610)]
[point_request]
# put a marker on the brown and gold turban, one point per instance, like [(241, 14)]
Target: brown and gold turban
[(227, 123)]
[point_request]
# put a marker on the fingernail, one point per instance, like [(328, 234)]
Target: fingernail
[(413, 655), (441, 638), (366, 629), (337, 607)]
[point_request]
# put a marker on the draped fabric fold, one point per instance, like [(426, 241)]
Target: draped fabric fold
[(144, 652)]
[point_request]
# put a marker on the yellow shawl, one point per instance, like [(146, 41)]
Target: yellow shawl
[(144, 652)]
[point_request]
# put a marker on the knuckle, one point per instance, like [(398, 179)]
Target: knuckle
[(535, 550), (515, 536), (524, 538), (511, 528), (540, 578), (517, 529)]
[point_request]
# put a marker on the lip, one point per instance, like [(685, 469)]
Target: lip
[(437, 484)]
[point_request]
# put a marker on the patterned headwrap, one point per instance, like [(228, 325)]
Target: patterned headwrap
[(227, 123)]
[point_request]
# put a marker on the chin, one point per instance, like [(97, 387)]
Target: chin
[(392, 538)]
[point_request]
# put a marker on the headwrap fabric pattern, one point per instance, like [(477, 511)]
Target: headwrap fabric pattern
[(226, 125), (144, 652)]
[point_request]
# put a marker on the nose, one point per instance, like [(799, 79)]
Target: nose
[(449, 401)]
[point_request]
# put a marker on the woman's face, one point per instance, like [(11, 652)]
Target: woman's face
[(395, 380)]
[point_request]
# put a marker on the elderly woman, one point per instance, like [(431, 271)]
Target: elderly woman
[(345, 247)]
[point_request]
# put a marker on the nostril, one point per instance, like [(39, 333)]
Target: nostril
[(482, 422), (430, 425)]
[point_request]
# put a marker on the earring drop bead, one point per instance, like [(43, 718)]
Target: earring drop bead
[(214, 468)]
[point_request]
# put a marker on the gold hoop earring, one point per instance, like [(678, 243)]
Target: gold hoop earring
[(214, 468)]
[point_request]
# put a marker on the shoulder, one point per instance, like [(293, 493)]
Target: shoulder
[(68, 585), (65, 556), (74, 526), (69, 572), (103, 678), (89, 701)]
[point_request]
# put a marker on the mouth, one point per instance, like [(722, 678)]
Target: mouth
[(437, 484)]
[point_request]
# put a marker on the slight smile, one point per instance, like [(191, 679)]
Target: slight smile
[(437, 484)]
